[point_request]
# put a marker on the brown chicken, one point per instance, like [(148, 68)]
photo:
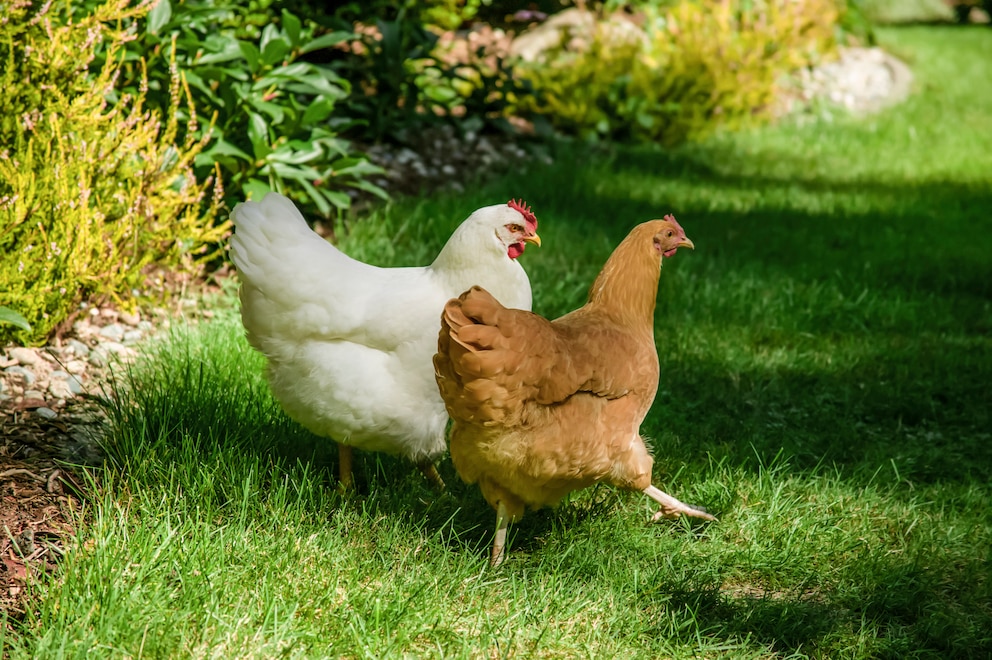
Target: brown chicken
[(542, 408)]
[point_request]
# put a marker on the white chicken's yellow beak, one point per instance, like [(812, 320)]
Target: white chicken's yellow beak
[(535, 239)]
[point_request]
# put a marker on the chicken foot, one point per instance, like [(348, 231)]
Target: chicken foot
[(499, 541), (671, 507), (431, 474)]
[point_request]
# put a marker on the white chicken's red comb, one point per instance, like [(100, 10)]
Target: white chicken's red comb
[(524, 209)]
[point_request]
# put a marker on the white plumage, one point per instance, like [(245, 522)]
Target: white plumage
[(349, 345)]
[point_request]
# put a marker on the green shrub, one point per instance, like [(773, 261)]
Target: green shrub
[(93, 195), (275, 120), (701, 65)]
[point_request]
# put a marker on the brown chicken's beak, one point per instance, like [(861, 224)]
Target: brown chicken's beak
[(535, 239), (685, 242)]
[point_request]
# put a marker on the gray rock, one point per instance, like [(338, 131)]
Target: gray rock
[(33, 394), (23, 355), (98, 357), (59, 389), (63, 385), (132, 336), (78, 348), (75, 385), (113, 332), (130, 319), (115, 348), (26, 376), (75, 366), (47, 413)]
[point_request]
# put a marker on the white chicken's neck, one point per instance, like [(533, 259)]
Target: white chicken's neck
[(464, 251)]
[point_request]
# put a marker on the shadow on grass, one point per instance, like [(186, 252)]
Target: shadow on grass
[(904, 611)]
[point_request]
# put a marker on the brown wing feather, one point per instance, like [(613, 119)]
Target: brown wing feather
[(494, 362)]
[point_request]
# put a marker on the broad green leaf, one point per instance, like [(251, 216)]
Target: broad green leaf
[(275, 47), (317, 198), (296, 153), (292, 25), (368, 186), (251, 54), (225, 148), (294, 70), (338, 199), (328, 40), (7, 315), (318, 111), (258, 133), (256, 189), (362, 167), (275, 111), (159, 16), (287, 171), (226, 49)]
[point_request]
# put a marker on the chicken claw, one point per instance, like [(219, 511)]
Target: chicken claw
[(671, 507)]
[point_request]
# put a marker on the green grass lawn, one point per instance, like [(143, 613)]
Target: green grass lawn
[(826, 362)]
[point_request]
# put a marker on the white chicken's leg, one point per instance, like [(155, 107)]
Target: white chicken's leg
[(432, 476), (499, 542), (345, 480), (671, 507)]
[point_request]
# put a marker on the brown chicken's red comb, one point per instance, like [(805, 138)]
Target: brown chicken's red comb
[(671, 219), (525, 211)]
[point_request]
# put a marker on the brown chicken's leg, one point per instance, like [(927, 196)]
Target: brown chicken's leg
[(671, 507), (345, 480), (432, 476), (499, 542)]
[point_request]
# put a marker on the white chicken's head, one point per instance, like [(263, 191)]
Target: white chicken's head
[(513, 225)]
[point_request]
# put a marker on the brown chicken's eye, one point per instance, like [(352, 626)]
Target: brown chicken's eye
[(670, 233)]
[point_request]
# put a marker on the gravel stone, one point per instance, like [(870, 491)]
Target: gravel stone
[(98, 357), (129, 319), (45, 412), (23, 355), (78, 348), (75, 366), (114, 332), (26, 376), (133, 336)]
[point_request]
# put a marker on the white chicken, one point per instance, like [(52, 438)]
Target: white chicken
[(348, 344)]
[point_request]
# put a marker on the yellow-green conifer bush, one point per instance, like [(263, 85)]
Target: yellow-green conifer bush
[(701, 64), (93, 194)]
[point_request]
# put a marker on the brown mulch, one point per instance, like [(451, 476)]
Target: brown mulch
[(40, 493)]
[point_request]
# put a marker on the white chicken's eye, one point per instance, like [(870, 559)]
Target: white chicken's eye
[(515, 229)]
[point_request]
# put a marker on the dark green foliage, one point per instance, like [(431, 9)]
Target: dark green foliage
[(272, 116)]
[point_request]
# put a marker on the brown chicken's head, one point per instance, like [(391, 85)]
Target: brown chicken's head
[(520, 229), (670, 236)]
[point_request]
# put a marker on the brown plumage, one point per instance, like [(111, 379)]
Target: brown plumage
[(542, 408)]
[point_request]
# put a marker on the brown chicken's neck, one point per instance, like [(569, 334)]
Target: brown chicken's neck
[(627, 286)]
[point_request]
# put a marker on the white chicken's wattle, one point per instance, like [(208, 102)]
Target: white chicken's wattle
[(349, 345)]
